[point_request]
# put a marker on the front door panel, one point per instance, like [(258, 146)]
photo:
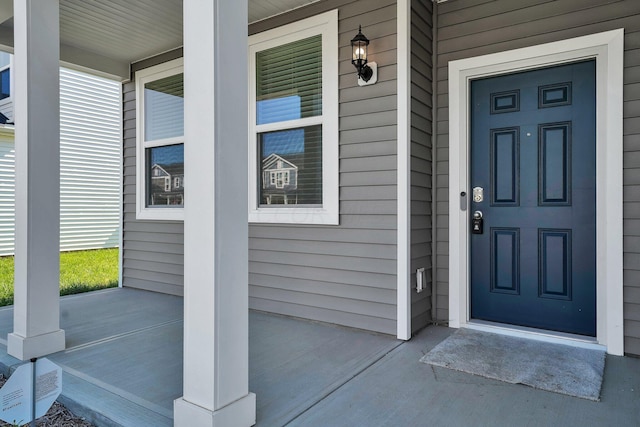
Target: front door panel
[(533, 156)]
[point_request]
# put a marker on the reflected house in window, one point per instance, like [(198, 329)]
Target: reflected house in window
[(167, 184), (279, 181)]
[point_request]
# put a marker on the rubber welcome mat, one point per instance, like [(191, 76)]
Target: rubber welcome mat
[(552, 367)]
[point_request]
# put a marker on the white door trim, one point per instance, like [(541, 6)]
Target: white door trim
[(608, 50), (403, 310)]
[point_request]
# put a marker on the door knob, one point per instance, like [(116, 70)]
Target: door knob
[(477, 223)]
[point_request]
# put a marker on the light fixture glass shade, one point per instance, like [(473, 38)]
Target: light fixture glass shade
[(359, 47)]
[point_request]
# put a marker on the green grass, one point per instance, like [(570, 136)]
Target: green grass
[(80, 271)]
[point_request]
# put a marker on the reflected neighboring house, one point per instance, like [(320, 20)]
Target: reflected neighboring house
[(167, 184), (279, 181)]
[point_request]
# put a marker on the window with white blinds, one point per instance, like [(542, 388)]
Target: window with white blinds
[(293, 166), (288, 88)]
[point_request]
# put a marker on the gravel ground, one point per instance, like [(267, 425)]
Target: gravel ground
[(58, 416)]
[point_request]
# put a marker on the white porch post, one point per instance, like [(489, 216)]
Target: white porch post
[(216, 329), (36, 324)]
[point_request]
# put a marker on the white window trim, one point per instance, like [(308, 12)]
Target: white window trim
[(325, 24), (143, 76), (608, 50)]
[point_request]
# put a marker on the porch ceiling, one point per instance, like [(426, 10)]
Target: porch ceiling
[(108, 35)]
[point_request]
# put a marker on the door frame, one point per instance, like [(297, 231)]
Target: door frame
[(607, 49)]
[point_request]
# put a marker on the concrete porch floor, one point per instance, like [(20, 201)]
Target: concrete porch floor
[(123, 367)]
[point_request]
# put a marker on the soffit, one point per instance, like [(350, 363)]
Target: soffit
[(108, 35), (262, 9)]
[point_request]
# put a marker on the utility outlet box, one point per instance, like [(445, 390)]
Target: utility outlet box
[(420, 280)]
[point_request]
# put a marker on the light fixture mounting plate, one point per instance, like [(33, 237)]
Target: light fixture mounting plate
[(374, 76)]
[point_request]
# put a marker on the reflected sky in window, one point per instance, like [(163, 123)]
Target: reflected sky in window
[(283, 142), (168, 155)]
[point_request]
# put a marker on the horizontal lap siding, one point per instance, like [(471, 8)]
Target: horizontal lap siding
[(469, 28), (152, 251), (90, 159), (7, 193), (343, 274), (421, 157)]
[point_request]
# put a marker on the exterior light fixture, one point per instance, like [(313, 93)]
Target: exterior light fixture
[(367, 71)]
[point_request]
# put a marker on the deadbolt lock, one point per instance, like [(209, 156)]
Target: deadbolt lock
[(478, 194)]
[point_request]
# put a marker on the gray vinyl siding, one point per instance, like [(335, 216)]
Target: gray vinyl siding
[(343, 274), (469, 28), (152, 251), (421, 157)]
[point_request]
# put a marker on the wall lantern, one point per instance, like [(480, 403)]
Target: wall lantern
[(367, 71)]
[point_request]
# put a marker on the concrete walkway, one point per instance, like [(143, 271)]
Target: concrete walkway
[(123, 367)]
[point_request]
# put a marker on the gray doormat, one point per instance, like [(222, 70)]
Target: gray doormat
[(553, 367)]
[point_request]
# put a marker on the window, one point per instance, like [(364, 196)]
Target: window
[(5, 75), (160, 142), (293, 128), (279, 179), (5, 83)]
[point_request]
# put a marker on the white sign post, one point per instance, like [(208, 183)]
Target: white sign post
[(29, 393)]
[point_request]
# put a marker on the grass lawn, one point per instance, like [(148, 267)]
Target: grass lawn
[(80, 271)]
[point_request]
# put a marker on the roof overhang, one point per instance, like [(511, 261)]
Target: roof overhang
[(105, 37)]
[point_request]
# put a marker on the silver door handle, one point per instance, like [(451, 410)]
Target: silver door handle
[(477, 223)]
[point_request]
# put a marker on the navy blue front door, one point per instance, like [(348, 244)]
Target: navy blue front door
[(533, 173)]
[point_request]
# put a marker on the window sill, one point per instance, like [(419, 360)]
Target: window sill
[(303, 216), (161, 214)]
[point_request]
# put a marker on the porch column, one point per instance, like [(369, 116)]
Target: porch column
[(36, 324), (216, 329)]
